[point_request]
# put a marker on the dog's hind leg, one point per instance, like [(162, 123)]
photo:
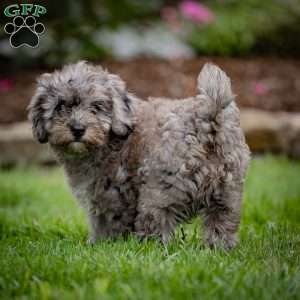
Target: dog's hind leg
[(156, 216), (222, 217)]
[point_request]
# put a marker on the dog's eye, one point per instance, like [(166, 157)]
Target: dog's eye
[(96, 107), (61, 104)]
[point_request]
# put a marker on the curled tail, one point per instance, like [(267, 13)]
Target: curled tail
[(215, 84)]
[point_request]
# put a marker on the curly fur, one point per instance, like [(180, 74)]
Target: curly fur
[(145, 166)]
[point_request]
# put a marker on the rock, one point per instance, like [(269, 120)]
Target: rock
[(272, 132), (264, 131), (260, 128), (17, 147), (289, 135)]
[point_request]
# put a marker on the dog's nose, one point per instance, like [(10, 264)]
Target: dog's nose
[(78, 130)]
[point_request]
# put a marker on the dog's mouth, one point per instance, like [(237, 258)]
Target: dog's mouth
[(73, 148), (77, 147)]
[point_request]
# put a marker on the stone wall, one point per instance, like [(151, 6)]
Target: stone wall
[(265, 132)]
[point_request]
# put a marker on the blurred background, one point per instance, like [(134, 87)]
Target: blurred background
[(158, 48)]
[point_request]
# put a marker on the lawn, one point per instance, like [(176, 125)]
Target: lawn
[(44, 255)]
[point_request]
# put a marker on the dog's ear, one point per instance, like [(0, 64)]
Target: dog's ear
[(36, 111), (123, 107), (36, 116)]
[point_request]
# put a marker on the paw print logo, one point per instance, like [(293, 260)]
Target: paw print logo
[(24, 32)]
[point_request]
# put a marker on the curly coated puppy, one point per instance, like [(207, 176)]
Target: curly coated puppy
[(145, 166)]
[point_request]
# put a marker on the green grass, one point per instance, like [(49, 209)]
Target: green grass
[(43, 254)]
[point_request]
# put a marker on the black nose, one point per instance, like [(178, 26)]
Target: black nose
[(78, 130)]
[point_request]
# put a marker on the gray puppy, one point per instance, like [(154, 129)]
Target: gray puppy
[(145, 166)]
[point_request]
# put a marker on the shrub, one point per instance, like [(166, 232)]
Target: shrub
[(215, 27), (248, 27)]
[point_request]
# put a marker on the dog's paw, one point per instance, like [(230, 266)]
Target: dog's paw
[(91, 241), (230, 243), (227, 242), (141, 236)]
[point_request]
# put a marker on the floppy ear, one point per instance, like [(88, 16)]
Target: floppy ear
[(36, 110), (123, 114), (36, 116)]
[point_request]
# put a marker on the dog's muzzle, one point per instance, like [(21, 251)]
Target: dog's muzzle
[(77, 147), (77, 130)]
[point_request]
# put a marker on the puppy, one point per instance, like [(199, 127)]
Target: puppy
[(145, 166)]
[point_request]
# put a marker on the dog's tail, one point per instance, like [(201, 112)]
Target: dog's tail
[(215, 84)]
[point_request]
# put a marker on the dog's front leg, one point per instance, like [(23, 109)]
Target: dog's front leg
[(99, 228)]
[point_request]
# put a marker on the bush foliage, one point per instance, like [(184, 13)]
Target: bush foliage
[(237, 27)]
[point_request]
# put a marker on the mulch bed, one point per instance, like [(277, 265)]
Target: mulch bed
[(266, 83)]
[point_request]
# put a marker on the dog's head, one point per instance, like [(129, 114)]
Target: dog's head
[(76, 109)]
